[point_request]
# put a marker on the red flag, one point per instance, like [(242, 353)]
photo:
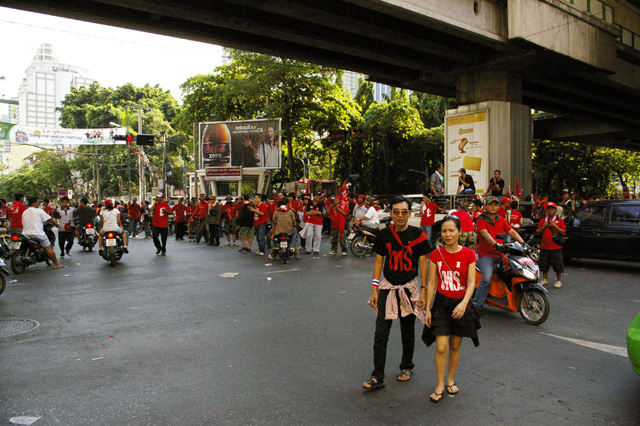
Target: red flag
[(306, 189), (344, 205), (516, 190)]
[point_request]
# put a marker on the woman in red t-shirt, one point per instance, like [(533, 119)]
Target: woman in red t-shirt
[(452, 269)]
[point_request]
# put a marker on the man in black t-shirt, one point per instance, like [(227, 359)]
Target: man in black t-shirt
[(85, 214), (465, 183), (496, 184), (401, 252)]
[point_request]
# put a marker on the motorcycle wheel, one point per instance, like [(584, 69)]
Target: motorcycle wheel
[(112, 257), (16, 266), (90, 248), (3, 283), (533, 306), (356, 246)]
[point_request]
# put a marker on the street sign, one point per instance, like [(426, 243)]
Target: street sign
[(62, 192), (223, 173)]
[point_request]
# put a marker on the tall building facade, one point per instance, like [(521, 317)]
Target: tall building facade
[(45, 85), (350, 81)]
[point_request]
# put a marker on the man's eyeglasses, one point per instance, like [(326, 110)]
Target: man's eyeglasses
[(400, 212)]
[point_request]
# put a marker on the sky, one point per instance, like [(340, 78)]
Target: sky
[(112, 56)]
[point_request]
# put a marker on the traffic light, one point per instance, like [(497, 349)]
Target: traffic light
[(145, 140), (128, 138)]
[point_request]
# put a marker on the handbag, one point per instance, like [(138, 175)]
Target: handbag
[(67, 227), (557, 238)]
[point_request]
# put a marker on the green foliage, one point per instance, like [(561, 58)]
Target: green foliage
[(586, 169)]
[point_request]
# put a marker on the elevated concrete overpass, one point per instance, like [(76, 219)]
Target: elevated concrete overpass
[(577, 59)]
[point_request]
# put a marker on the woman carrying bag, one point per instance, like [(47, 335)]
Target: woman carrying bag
[(452, 272)]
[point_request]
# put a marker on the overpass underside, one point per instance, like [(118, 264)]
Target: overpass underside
[(547, 54)]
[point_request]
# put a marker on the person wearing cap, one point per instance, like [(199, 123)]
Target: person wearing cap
[(214, 214), (489, 225), (160, 223), (370, 219), (229, 220), (505, 205), (110, 221), (313, 219), (180, 213), (496, 184), (465, 183), (550, 252)]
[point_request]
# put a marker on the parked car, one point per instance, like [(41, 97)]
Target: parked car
[(414, 219), (607, 229), (633, 344)]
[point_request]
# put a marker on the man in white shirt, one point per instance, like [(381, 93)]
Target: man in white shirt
[(370, 219), (359, 210), (33, 220)]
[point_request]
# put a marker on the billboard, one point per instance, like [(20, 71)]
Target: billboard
[(40, 136), (467, 147), (247, 143)]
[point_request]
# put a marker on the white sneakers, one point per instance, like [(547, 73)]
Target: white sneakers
[(558, 284), (544, 282)]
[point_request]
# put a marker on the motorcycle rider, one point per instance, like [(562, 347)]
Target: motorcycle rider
[(110, 222), (33, 220), (85, 214), (284, 222), (490, 224)]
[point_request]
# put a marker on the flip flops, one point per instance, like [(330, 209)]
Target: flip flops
[(432, 399), (405, 375), (450, 389)]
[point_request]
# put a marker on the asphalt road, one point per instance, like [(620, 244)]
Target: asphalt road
[(166, 341)]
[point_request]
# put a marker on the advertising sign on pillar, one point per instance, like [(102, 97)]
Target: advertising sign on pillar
[(62, 192), (467, 147)]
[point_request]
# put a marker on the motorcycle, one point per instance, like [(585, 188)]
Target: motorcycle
[(112, 250), (5, 246), (282, 245), (362, 238), (3, 275), (515, 285), (27, 252), (88, 237)]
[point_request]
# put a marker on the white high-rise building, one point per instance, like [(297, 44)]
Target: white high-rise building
[(46, 84)]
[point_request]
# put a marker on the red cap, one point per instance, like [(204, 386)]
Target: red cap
[(505, 200), (550, 204)]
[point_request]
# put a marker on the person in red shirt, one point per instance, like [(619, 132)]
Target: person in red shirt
[(46, 207), (229, 217), (313, 220), (427, 213), (160, 222), (180, 213), (134, 217), (514, 217), (550, 252), (489, 225), (202, 208), (505, 204), (260, 217), (338, 218), (477, 209), (192, 219), (452, 279), (468, 229), (15, 213)]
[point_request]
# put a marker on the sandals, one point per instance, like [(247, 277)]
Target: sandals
[(450, 389), (373, 383), (405, 375), (439, 395)]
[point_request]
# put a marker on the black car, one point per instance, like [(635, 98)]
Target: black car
[(608, 229)]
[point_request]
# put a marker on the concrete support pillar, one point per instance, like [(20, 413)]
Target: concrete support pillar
[(489, 85), (486, 136)]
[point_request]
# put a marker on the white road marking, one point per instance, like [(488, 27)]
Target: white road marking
[(615, 350), (279, 272)]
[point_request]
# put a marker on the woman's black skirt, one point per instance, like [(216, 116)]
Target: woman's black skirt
[(443, 324)]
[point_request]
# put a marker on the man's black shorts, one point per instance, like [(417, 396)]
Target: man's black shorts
[(551, 258)]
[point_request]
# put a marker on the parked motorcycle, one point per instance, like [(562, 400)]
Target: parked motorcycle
[(282, 247), (5, 244), (88, 237), (515, 285), (112, 250), (362, 238)]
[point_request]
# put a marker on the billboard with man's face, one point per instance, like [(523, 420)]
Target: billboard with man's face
[(248, 143)]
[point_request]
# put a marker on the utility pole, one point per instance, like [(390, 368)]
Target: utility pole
[(142, 181), (164, 165)]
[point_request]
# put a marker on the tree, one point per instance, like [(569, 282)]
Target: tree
[(307, 97)]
